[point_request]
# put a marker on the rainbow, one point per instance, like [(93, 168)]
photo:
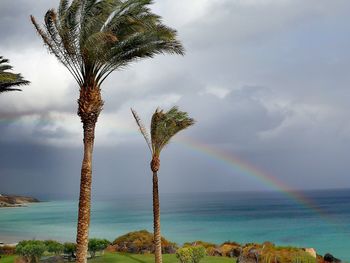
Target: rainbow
[(242, 167), (246, 168)]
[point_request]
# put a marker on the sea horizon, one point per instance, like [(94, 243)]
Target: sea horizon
[(213, 217)]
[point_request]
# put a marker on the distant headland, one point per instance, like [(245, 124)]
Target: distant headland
[(16, 200)]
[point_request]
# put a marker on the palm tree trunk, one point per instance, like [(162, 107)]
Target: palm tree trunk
[(156, 221), (90, 106), (85, 195)]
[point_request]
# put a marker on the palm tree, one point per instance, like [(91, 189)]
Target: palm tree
[(93, 38), (164, 125), (8, 80)]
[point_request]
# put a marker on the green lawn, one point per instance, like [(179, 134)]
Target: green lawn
[(134, 258), (7, 259)]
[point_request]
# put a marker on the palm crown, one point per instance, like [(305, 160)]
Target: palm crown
[(92, 38), (8, 80), (164, 125)]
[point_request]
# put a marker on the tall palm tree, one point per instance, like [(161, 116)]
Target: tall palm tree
[(164, 125), (9, 80), (93, 38)]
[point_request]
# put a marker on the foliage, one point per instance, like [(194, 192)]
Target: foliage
[(293, 257), (53, 246), (164, 125), (97, 245), (199, 243), (69, 249), (93, 38), (184, 255), (148, 258), (7, 250), (211, 248), (8, 80), (269, 253), (31, 250), (190, 254), (141, 242)]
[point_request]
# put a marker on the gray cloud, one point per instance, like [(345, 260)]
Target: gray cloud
[(266, 81)]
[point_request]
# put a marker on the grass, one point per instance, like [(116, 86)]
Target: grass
[(136, 258), (7, 259), (149, 258)]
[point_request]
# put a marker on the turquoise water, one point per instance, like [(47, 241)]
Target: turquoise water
[(215, 217)]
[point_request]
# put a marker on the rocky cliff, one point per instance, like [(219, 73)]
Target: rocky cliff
[(15, 200)]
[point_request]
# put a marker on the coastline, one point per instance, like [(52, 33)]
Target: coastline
[(9, 201), (216, 218)]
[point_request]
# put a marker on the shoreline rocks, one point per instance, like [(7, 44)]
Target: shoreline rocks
[(16, 200)]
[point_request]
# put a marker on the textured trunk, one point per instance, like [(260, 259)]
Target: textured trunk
[(156, 221), (90, 106), (85, 195)]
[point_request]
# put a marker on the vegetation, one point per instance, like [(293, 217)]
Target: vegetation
[(31, 250), (191, 254), (9, 80), (210, 248), (7, 259), (135, 258), (97, 245), (69, 249), (269, 253), (7, 250), (141, 242), (129, 247), (164, 125), (92, 39), (54, 247)]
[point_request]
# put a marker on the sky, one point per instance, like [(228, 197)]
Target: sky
[(267, 81)]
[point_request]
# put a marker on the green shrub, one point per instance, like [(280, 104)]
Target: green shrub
[(184, 255), (31, 250), (198, 253), (69, 249), (7, 250), (140, 242), (190, 254), (97, 245), (53, 246), (289, 255)]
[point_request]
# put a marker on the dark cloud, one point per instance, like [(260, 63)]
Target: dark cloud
[(266, 81)]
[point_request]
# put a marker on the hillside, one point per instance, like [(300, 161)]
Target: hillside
[(16, 200)]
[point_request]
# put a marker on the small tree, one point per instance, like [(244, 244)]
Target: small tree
[(31, 250), (190, 254), (198, 253), (69, 249), (53, 246), (97, 245)]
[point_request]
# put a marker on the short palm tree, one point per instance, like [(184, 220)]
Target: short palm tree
[(164, 125), (93, 38), (9, 80)]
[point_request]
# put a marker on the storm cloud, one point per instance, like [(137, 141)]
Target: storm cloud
[(266, 80)]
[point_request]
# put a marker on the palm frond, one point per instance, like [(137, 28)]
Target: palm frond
[(165, 125), (93, 38), (143, 129), (8, 80)]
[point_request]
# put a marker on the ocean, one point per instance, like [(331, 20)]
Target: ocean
[(214, 217)]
